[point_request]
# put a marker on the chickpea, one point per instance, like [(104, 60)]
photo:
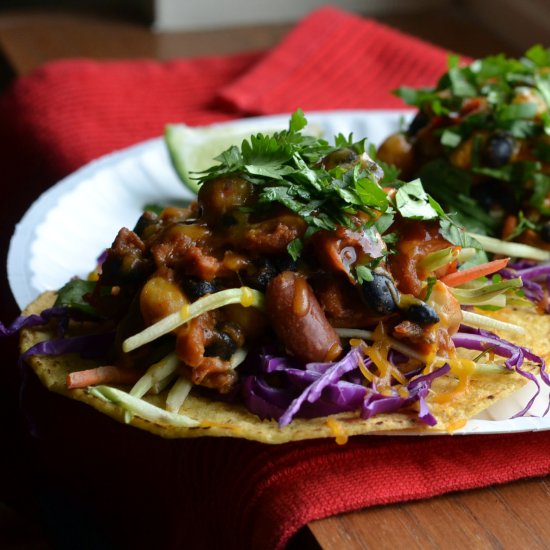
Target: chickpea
[(344, 157), (398, 151), (220, 196), (461, 157), (159, 298), (251, 321)]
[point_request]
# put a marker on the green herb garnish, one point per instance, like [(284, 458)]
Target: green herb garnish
[(73, 293), (290, 168), (496, 97)]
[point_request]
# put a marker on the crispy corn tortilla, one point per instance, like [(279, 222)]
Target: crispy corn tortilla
[(536, 326), (220, 419)]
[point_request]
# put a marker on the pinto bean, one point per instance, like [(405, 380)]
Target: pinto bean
[(298, 319)]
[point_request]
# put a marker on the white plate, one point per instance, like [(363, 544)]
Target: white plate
[(65, 230)]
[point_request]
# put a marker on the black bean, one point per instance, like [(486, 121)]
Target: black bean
[(417, 123), (147, 219), (422, 314), (284, 263), (222, 346), (498, 149), (196, 288), (262, 278), (264, 270), (495, 195), (380, 294), (228, 220)]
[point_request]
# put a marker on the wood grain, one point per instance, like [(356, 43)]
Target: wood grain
[(506, 516), (28, 40)]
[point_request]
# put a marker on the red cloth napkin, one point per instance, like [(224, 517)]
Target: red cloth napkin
[(334, 59), (146, 491)]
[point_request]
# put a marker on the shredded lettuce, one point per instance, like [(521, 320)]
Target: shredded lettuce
[(142, 408), (512, 249), (244, 296)]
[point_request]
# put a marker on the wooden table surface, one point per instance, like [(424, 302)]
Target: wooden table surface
[(508, 516)]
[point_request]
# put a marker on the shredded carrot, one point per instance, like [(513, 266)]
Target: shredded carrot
[(102, 375), (460, 277)]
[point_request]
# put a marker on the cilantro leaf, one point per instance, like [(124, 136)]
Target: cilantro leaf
[(363, 274), (413, 202), (73, 293), (291, 169), (451, 187), (298, 121), (294, 248), (538, 55), (541, 191), (370, 193), (456, 234)]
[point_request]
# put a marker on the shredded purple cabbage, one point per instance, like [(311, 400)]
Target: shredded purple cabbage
[(331, 375), (89, 346), (320, 389), (284, 389), (535, 278), (482, 340), (418, 389), (28, 321), (102, 257)]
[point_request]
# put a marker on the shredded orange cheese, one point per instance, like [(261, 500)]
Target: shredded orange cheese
[(247, 297), (378, 353), (463, 369), (453, 426), (403, 392), (364, 371), (337, 430), (184, 312)]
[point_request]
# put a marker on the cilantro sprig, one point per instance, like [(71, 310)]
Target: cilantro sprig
[(286, 168), (493, 96), (289, 168), (497, 79)]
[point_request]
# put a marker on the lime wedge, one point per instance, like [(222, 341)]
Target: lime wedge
[(193, 149)]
